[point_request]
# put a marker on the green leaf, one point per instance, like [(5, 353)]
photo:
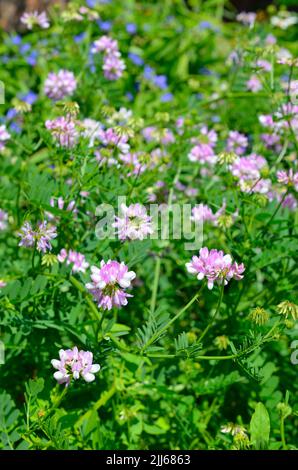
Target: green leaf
[(260, 427)]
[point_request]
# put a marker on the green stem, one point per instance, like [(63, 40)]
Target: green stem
[(155, 284), (214, 316), (170, 322), (83, 291), (282, 433)]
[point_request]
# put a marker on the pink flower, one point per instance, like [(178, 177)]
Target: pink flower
[(254, 84), (247, 17), (74, 364), (105, 44), (215, 267), (237, 142), (134, 223), (202, 153), (109, 283), (113, 66), (41, 236), (59, 85), (63, 131), (288, 178), (78, 261), (4, 136), (204, 213), (31, 19)]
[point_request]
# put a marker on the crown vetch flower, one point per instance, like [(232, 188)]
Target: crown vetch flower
[(109, 283), (41, 236), (215, 266), (59, 85), (237, 142), (74, 364), (78, 260), (134, 222), (63, 131), (288, 178), (31, 19)]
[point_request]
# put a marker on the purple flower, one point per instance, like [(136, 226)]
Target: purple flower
[(79, 37), (59, 85), (131, 28), (136, 59), (113, 66), (109, 283), (237, 142), (41, 236), (133, 223), (203, 213), (160, 81), (215, 267), (166, 97), (73, 364), (63, 131), (288, 178), (29, 97), (78, 261), (254, 84), (105, 25)]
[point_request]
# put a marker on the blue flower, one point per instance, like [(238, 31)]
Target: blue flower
[(136, 59), (131, 28)]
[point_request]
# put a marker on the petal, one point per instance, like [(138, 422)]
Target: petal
[(88, 377)]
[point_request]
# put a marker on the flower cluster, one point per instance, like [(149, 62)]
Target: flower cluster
[(203, 151), (59, 85), (113, 65), (109, 283), (63, 131), (78, 261), (134, 222), (31, 19), (237, 142), (288, 178), (215, 266), (248, 171), (203, 213), (41, 236), (73, 364)]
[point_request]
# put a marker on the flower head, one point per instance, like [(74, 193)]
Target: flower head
[(31, 19), (78, 261), (63, 131), (215, 266), (73, 364), (41, 236), (109, 283), (59, 85), (133, 223), (237, 142)]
